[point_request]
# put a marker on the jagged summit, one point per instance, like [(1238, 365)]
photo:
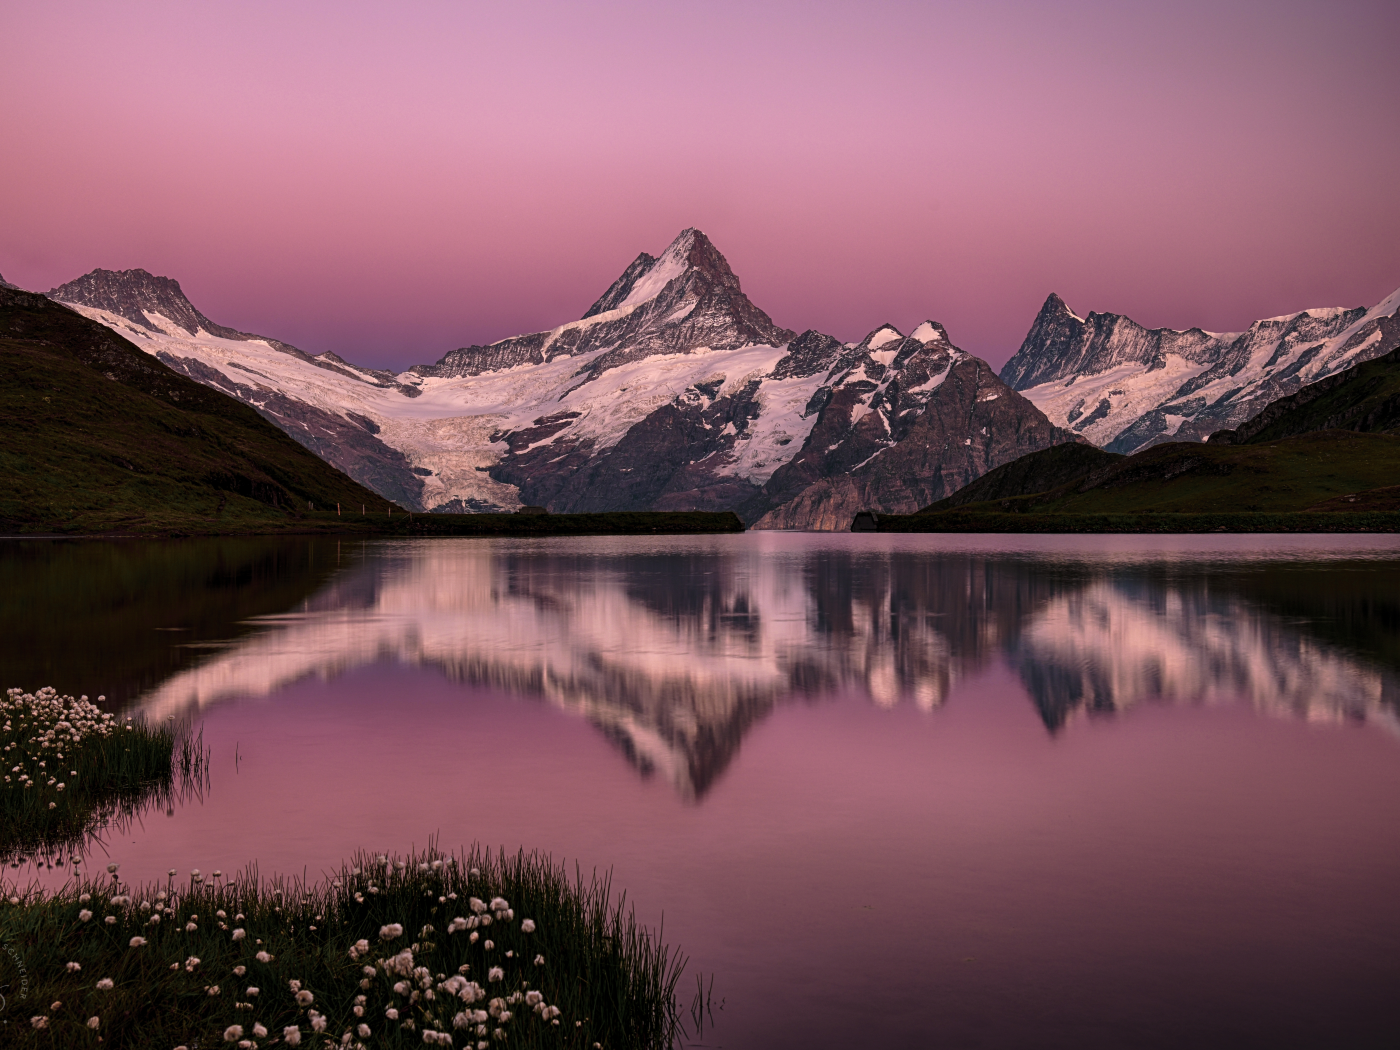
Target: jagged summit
[(1125, 387), (6, 284), (134, 294), (139, 295), (687, 298)]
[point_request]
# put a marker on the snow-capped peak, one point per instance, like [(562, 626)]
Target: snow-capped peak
[(673, 262), (929, 332), (882, 335)]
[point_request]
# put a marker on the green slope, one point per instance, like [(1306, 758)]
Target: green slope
[(99, 437), (1287, 476), (1047, 469)]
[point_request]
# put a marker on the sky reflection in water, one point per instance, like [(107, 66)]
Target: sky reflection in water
[(898, 791)]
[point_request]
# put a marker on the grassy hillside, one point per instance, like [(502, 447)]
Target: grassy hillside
[(1049, 468), (1194, 478), (1254, 487), (100, 437)]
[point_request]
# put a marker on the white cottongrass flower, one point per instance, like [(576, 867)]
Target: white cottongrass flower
[(496, 974), (258, 1030), (392, 1014), (474, 937), (527, 926), (318, 1022), (212, 989), (252, 991), (539, 960), (239, 934), (84, 915), (94, 1023), (39, 1021), (190, 927), (305, 998), (74, 967), (263, 957), (488, 945), (362, 1031), (294, 985), (138, 942), (104, 985), (291, 1035), (233, 1033), (110, 920), (191, 963), (476, 904), (499, 904), (239, 971), (359, 948), (389, 932)]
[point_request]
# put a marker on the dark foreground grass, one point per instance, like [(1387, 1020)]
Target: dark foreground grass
[(390, 951), (70, 768)]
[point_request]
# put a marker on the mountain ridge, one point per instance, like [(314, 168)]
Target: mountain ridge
[(1126, 387), (673, 392)]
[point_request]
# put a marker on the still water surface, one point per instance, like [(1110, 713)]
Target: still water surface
[(890, 791)]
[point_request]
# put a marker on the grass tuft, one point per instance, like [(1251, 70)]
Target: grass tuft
[(429, 948)]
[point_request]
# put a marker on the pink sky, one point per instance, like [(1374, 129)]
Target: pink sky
[(392, 181)]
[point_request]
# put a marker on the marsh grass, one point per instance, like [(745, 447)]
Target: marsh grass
[(70, 769), (585, 975)]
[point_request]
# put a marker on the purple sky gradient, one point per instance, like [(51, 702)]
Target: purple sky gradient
[(392, 181)]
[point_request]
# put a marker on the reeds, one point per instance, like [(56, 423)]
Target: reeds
[(468, 949)]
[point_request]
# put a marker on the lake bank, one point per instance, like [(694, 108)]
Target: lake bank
[(977, 521)]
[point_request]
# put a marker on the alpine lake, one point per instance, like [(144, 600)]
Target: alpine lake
[(881, 790)]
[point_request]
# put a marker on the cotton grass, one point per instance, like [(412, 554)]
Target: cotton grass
[(69, 767), (331, 964)]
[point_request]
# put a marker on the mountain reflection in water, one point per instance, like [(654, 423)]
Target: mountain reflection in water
[(675, 648)]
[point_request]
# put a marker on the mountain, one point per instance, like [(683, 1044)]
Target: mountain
[(155, 313), (6, 284), (1126, 388), (1364, 398), (100, 436), (672, 392)]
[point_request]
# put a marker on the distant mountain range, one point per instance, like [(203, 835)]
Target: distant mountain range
[(674, 391), (1125, 387)]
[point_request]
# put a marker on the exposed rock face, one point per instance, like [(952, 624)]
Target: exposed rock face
[(6, 284), (687, 299), (896, 437), (1125, 387), (155, 303), (673, 392)]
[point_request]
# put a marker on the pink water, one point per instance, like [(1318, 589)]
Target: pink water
[(859, 866)]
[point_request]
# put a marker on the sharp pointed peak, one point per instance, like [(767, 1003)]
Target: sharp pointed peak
[(1055, 306)]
